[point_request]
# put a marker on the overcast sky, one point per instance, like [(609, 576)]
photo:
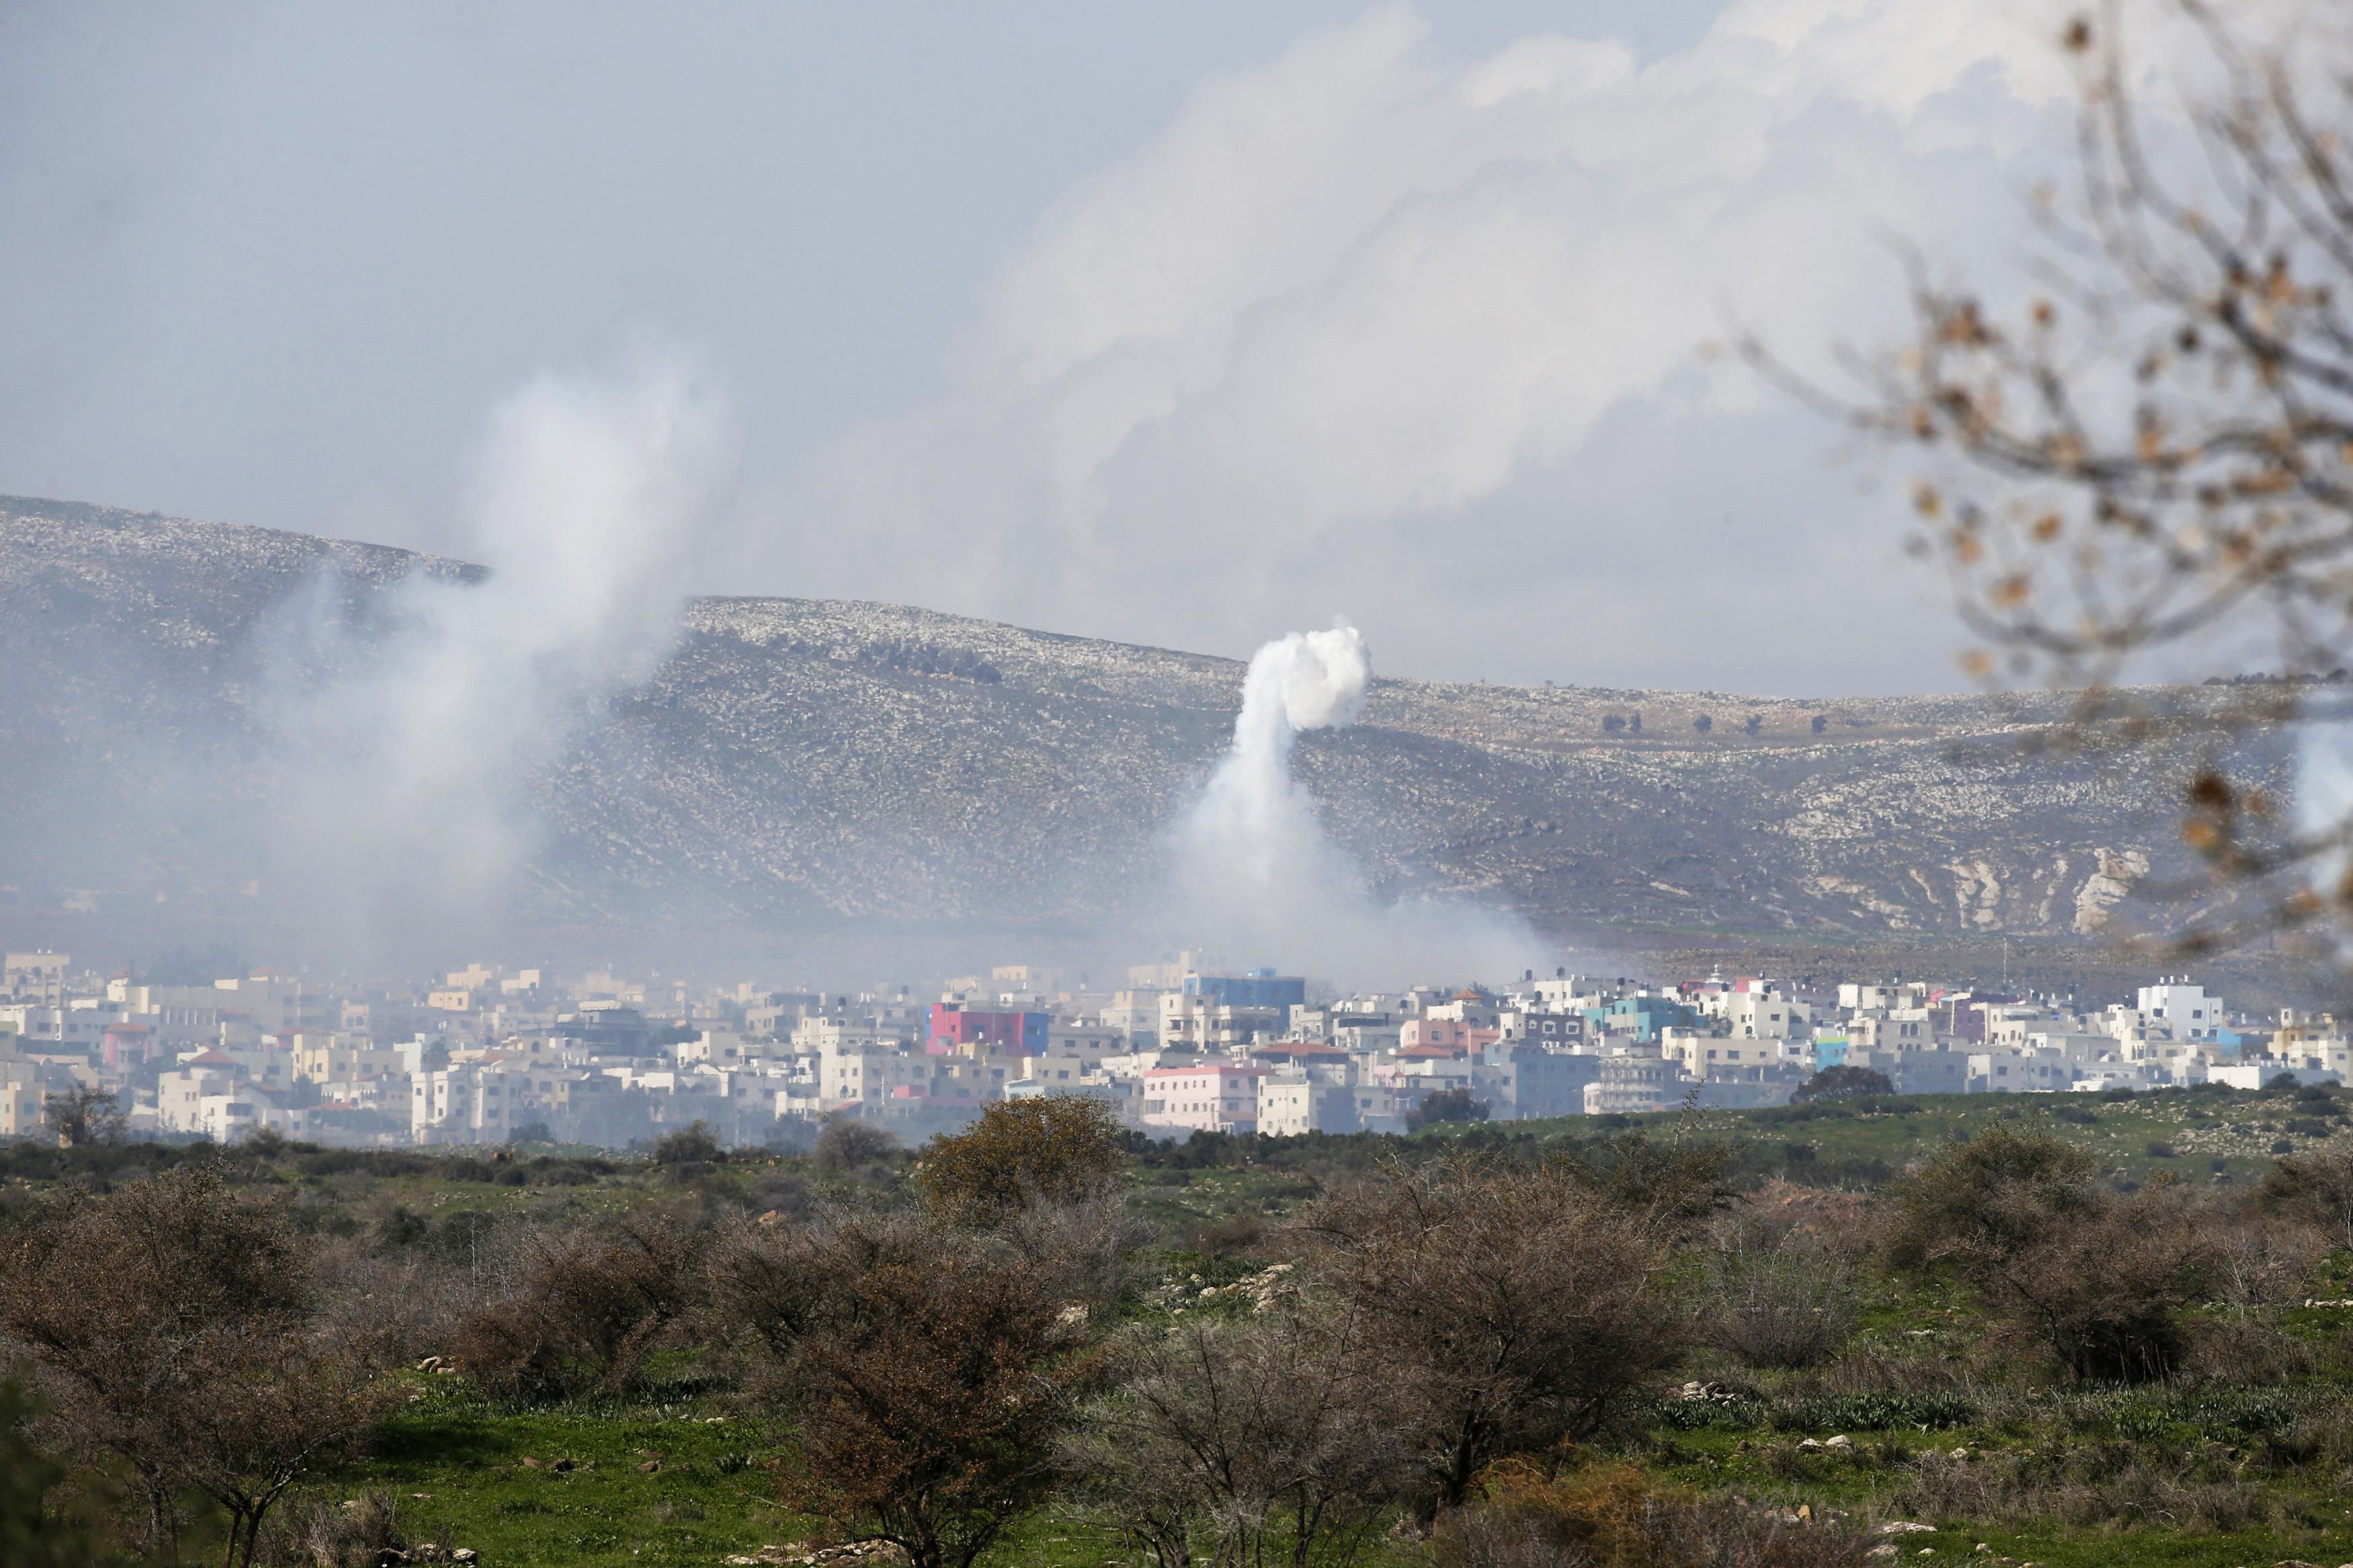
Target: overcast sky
[(1186, 324)]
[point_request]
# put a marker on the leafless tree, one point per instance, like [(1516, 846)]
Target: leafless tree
[(923, 1372), (1238, 1441), (172, 1326), (2154, 450), (1513, 1308)]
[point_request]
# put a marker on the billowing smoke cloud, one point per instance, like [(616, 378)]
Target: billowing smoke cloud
[(1363, 307), (1263, 882), (409, 740)]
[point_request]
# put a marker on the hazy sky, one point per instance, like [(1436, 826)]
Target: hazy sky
[(1189, 324)]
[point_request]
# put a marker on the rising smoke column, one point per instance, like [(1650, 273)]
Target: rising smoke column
[(406, 755), (1254, 833), (1262, 882)]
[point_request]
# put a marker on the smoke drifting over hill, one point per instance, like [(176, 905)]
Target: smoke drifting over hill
[(403, 744)]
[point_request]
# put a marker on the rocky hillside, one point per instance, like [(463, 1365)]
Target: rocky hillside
[(799, 762)]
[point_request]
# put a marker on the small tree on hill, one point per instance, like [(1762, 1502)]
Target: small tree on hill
[(1248, 1435), (83, 1115), (1446, 1105), (927, 1380), (1842, 1083), (1512, 1309), (1056, 1148), (845, 1144), (692, 1144)]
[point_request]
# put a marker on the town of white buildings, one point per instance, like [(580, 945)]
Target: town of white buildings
[(489, 1054)]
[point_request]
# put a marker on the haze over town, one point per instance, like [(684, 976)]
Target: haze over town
[(1488, 786)]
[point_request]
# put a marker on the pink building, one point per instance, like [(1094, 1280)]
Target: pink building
[(1016, 1034), (126, 1043), (1216, 1097)]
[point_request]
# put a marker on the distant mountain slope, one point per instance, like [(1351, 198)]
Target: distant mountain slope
[(802, 760)]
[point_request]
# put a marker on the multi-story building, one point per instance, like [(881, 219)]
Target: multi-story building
[(1210, 1097), (472, 1104), (35, 977), (22, 1098)]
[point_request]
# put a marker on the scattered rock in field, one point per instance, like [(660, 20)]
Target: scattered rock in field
[(882, 1553)]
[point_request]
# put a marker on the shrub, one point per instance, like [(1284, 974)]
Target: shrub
[(1512, 1308), (1056, 1148), (1446, 1105), (1238, 1433), (1672, 1184), (1785, 1305), (2314, 1189), (172, 1328), (359, 1532), (691, 1145), (845, 1145), (2100, 1278), (928, 1381), (589, 1306), (1840, 1082), (1614, 1516)]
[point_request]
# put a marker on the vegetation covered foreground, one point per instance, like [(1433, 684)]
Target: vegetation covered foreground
[(1856, 1331)]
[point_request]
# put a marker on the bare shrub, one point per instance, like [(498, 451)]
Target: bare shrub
[(2100, 1278), (1240, 1232), (1512, 1308), (171, 1327), (927, 1377), (1232, 1437), (1615, 1516), (2249, 1351), (2109, 1487), (328, 1532), (589, 1303), (1080, 1249), (2314, 1189), (1777, 1297), (390, 1308)]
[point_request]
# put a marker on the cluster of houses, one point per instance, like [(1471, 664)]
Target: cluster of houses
[(489, 1054)]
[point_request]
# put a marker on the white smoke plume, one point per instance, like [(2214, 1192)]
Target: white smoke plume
[(406, 750), (1254, 829), (1262, 881)]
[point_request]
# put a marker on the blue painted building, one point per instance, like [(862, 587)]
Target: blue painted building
[(1641, 1016), (1252, 988)]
